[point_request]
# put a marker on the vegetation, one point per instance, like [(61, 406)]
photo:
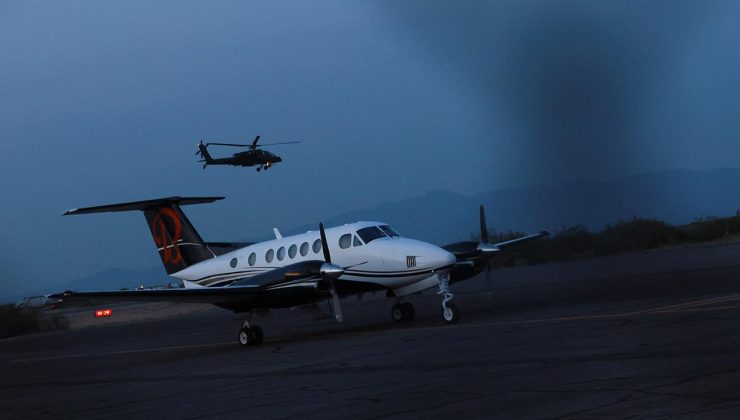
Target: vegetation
[(16, 321), (637, 234)]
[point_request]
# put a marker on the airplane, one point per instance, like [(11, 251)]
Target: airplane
[(253, 156), (299, 271)]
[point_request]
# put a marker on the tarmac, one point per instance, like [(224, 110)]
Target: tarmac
[(647, 335)]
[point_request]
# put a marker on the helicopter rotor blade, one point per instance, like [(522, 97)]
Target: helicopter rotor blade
[(254, 143), (274, 144), (251, 146), (228, 144)]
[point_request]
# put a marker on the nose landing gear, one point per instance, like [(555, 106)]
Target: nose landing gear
[(450, 311)]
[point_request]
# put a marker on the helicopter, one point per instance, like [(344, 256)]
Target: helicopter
[(254, 156)]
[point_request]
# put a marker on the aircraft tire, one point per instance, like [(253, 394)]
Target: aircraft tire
[(409, 311), (452, 314), (246, 337), (398, 313), (258, 335)]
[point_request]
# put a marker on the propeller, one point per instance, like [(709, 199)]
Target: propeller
[(330, 272), (484, 247)]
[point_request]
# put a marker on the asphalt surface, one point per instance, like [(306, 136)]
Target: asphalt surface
[(651, 335)]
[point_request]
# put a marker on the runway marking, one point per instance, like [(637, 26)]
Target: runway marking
[(702, 302), (691, 306)]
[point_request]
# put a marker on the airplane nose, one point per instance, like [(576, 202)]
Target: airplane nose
[(449, 257), (441, 257)]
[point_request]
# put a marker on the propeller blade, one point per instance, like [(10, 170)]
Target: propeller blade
[(483, 228), (331, 272), (324, 244), (488, 277), (336, 307)]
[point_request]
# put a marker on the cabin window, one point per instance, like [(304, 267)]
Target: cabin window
[(292, 251), (281, 253), (304, 249), (252, 259), (269, 255), (356, 241), (316, 246), (233, 262), (345, 241)]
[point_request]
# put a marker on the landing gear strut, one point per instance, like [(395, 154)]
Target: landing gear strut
[(401, 312), (450, 312), (250, 335)]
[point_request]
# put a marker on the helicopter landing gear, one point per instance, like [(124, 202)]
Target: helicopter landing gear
[(259, 168), (250, 335), (450, 312)]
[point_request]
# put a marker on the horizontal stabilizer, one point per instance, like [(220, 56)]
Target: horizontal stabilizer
[(143, 205)]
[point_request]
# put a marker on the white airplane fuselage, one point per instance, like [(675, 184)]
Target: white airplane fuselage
[(387, 260)]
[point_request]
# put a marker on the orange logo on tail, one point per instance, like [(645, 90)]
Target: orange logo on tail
[(170, 251)]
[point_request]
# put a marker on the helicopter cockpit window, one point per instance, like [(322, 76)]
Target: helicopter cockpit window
[(356, 241), (389, 231), (370, 234), (345, 241)]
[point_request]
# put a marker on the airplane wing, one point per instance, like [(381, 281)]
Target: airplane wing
[(517, 241), (298, 283), (200, 295), (473, 257), (474, 250)]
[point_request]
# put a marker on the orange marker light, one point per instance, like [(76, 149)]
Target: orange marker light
[(103, 312)]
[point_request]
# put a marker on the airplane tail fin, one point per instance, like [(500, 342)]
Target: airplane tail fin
[(177, 241)]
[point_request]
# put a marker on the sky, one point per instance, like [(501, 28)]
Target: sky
[(105, 102)]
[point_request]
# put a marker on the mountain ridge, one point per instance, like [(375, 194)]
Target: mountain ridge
[(437, 216)]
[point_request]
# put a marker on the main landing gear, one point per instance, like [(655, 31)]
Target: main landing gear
[(250, 335), (450, 312), (402, 312)]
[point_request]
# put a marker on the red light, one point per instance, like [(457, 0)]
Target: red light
[(103, 312)]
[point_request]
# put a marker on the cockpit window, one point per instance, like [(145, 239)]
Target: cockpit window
[(370, 234), (389, 231)]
